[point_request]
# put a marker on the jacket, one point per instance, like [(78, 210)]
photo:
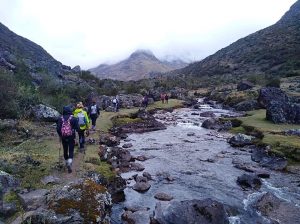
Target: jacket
[(97, 110), (83, 127)]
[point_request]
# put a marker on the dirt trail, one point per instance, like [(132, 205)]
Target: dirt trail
[(78, 159)]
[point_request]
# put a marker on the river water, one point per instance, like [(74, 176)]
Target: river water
[(201, 163)]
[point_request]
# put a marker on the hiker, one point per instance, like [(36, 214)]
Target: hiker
[(115, 102), (66, 127), (83, 122), (162, 98), (145, 101), (166, 98), (94, 112)]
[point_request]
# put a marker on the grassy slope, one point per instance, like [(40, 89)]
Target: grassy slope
[(284, 145)]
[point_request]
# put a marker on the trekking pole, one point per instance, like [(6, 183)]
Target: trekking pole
[(60, 146)]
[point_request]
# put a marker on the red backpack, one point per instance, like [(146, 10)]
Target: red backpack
[(66, 129)]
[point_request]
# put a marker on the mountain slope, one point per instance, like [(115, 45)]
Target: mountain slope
[(141, 64), (274, 50), (18, 51)]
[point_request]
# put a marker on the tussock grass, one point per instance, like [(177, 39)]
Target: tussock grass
[(288, 146)]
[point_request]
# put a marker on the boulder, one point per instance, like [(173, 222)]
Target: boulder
[(76, 69), (205, 211), (127, 145), (147, 175), (163, 196), (277, 210), (109, 140), (8, 124), (45, 113), (141, 186), (33, 199), (245, 85), (273, 162), (241, 140), (8, 209), (269, 94), (249, 181), (84, 200), (216, 124), (137, 166), (283, 112), (295, 132), (247, 105), (138, 217), (7, 182), (207, 114)]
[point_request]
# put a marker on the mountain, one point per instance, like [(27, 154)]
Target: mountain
[(141, 64), (274, 50), (17, 51)]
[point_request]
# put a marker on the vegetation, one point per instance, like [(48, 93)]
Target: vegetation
[(271, 134)]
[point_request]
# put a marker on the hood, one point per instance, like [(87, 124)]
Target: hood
[(67, 110)]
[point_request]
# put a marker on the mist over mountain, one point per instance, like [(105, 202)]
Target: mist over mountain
[(140, 64), (274, 50)]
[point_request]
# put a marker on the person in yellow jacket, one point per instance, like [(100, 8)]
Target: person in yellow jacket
[(83, 122)]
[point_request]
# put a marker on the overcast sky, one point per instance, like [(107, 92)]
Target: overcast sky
[(90, 32)]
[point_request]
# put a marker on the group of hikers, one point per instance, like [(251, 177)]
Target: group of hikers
[(164, 97), (79, 119), (72, 122)]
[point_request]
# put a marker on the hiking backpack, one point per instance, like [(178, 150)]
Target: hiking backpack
[(81, 119), (93, 109), (66, 128)]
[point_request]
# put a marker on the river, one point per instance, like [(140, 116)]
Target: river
[(201, 163)]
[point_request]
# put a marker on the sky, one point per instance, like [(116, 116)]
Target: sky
[(91, 32)]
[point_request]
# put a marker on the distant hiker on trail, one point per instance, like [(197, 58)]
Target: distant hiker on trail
[(162, 98), (145, 101), (83, 122), (166, 98), (66, 127), (115, 102), (94, 112)]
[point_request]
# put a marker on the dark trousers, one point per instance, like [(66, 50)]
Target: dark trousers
[(81, 138), (93, 118), (68, 145)]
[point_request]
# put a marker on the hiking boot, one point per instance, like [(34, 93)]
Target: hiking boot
[(69, 168)]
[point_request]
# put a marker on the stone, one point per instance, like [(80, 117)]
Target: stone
[(241, 140), (76, 69), (137, 166), (8, 209), (127, 145), (84, 200), (191, 134), (8, 124), (44, 113), (33, 199), (277, 210), (247, 105), (141, 186), (205, 211), (207, 114), (8, 182), (109, 140), (138, 217), (273, 162), (147, 175), (269, 94), (245, 85), (50, 180), (216, 124), (141, 179), (141, 158), (249, 181), (163, 196)]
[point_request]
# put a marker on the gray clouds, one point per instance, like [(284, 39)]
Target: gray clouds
[(91, 32)]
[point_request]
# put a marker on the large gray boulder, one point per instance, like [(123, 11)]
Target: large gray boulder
[(205, 211), (7, 182), (249, 181), (45, 113), (247, 105), (33, 199), (85, 200), (280, 108), (241, 140), (277, 210), (216, 124)]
